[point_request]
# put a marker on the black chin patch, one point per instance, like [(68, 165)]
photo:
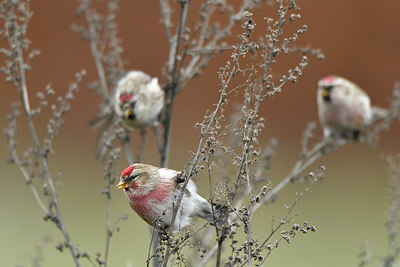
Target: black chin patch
[(356, 135), (131, 116), (327, 97)]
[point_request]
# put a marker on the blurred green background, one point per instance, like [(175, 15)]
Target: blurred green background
[(360, 40)]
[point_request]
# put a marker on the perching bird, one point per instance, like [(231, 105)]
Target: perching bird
[(137, 100), (344, 109), (152, 191)]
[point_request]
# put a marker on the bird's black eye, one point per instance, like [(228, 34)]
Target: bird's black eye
[(329, 88), (130, 178)]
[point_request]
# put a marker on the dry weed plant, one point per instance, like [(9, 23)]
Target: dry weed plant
[(367, 257), (392, 223), (229, 154)]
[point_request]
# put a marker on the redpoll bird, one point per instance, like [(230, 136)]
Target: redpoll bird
[(137, 99), (344, 109), (152, 192)]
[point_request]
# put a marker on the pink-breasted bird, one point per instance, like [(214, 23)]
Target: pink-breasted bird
[(344, 109), (137, 100), (152, 191)]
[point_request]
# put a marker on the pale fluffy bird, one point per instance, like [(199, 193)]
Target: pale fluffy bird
[(344, 109), (137, 100)]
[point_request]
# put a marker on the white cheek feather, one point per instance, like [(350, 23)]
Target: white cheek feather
[(167, 174)]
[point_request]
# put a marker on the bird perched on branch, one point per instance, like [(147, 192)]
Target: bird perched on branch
[(344, 109), (152, 193), (137, 100)]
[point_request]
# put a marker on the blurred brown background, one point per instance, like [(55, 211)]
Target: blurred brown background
[(360, 40)]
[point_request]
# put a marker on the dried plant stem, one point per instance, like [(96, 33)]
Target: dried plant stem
[(313, 155), (143, 136), (219, 251), (154, 241), (110, 177), (249, 135), (393, 248), (173, 79), (317, 152), (172, 87), (208, 256), (220, 234), (57, 218), (97, 56), (200, 59), (108, 228), (166, 13), (196, 158), (167, 128), (283, 221), (26, 176), (126, 146), (250, 216), (267, 59)]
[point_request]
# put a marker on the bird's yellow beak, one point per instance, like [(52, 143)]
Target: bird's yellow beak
[(122, 185), (128, 113), (324, 93)]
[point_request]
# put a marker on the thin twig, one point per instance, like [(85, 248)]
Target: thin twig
[(172, 85), (299, 167), (126, 145), (25, 100), (196, 158), (97, 56)]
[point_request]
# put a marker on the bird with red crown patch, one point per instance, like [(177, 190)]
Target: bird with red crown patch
[(152, 191), (137, 100), (344, 109)]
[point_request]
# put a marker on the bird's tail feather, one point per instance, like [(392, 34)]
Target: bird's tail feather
[(215, 213), (378, 113)]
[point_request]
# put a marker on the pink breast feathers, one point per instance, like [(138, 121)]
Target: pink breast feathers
[(144, 202), (148, 206), (159, 194), (125, 97)]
